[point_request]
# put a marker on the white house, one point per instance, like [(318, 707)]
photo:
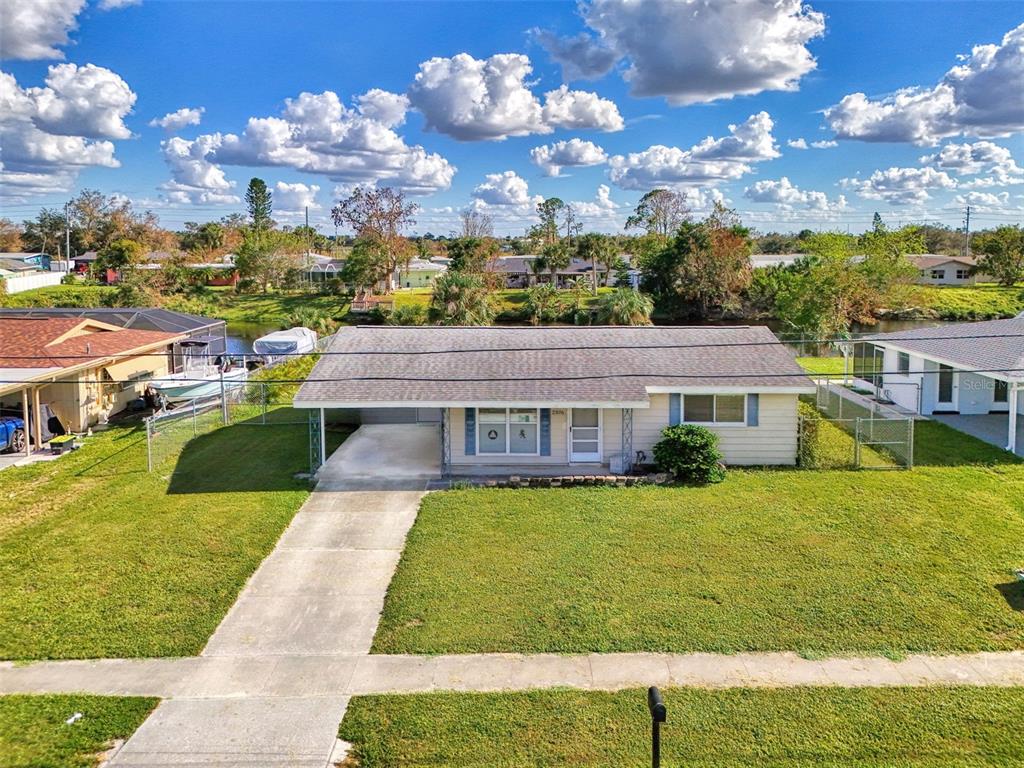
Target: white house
[(938, 269), (420, 273), (973, 371), (548, 399)]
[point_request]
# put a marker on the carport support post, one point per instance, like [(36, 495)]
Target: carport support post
[(24, 417), (1011, 430), (38, 410), (323, 439)]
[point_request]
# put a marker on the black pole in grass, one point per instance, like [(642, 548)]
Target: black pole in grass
[(656, 704)]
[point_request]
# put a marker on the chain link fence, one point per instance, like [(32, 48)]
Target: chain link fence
[(846, 430)]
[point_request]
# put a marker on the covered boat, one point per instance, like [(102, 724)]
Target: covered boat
[(294, 341)]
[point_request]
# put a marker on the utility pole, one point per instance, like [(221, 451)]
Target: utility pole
[(967, 233), (67, 232)]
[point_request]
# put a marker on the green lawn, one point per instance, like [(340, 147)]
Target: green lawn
[(822, 366), (981, 302), (736, 728), (99, 558), (60, 296), (820, 562), (34, 732)]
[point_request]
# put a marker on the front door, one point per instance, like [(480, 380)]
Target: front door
[(945, 399), (585, 434)]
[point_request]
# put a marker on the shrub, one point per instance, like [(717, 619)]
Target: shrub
[(407, 314), (690, 453)]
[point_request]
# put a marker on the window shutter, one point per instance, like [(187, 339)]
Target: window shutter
[(753, 409), (471, 431), (545, 431), (674, 409)]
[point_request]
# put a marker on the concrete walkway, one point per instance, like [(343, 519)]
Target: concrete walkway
[(269, 688), (336, 677), (993, 428)]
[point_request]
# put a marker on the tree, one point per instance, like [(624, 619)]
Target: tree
[(624, 306), (121, 255), (314, 240), (45, 233), (470, 254), (460, 299), (703, 270), (621, 271), (269, 259), (260, 203), (477, 224), (597, 249), (544, 304), (549, 211), (659, 212), (1003, 254), (87, 213), (203, 240), (877, 225), (378, 216), (10, 237), (555, 258)]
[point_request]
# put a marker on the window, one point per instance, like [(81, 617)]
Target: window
[(903, 363), (1001, 393), (507, 431), (962, 274), (714, 409), (938, 274)]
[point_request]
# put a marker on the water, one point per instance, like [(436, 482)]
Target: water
[(241, 335)]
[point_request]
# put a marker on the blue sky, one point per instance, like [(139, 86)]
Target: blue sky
[(648, 82)]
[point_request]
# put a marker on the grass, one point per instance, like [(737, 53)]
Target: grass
[(736, 728), (822, 366), (99, 558), (980, 302), (60, 296), (820, 562), (34, 732)]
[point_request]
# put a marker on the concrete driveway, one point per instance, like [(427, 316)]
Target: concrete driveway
[(384, 455), (991, 427), (291, 642)]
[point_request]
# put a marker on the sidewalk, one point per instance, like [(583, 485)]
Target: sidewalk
[(342, 676)]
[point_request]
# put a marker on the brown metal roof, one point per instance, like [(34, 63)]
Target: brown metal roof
[(415, 365)]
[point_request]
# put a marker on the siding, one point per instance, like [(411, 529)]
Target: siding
[(558, 443)]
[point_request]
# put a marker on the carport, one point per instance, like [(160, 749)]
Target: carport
[(385, 452)]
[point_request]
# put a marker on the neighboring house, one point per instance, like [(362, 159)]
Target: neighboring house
[(323, 269), (420, 273), (206, 335), (764, 260), (549, 398), (83, 369), (968, 369), (522, 272), (25, 271), (937, 269)]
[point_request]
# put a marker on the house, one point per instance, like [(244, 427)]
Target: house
[(765, 260), (547, 399), (35, 259), (523, 271), (972, 373), (85, 370), (25, 271), (420, 273), (207, 335), (938, 269)]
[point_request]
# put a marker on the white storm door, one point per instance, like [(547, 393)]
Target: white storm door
[(585, 434)]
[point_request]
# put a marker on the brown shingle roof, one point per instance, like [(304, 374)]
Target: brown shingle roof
[(440, 365), (33, 342)]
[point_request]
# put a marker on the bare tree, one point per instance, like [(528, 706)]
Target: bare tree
[(477, 224), (378, 216), (660, 212)]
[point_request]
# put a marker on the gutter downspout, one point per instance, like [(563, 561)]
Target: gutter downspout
[(24, 416)]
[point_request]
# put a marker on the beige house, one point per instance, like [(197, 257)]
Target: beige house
[(550, 399), (937, 269), (85, 370)]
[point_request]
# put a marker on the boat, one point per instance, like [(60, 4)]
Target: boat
[(294, 341), (196, 383)]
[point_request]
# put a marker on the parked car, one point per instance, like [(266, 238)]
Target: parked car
[(12, 433)]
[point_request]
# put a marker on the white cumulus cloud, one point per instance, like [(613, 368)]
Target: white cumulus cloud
[(900, 186), (194, 179), (293, 198), (692, 52), (981, 96), (574, 153), (490, 99), (800, 143), (977, 158), (180, 118), (707, 163), (786, 195), (34, 29), (824, 144), (505, 189), (317, 133)]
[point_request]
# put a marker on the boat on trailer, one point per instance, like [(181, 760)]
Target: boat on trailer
[(197, 383)]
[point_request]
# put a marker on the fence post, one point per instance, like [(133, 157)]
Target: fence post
[(910, 442), (263, 399), (149, 445), (856, 443), (195, 430), (223, 401)]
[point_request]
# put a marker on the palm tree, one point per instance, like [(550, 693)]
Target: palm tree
[(460, 299), (624, 306)]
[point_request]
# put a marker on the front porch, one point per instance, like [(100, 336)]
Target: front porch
[(993, 428)]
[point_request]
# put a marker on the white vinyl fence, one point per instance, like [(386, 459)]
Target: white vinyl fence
[(30, 281)]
